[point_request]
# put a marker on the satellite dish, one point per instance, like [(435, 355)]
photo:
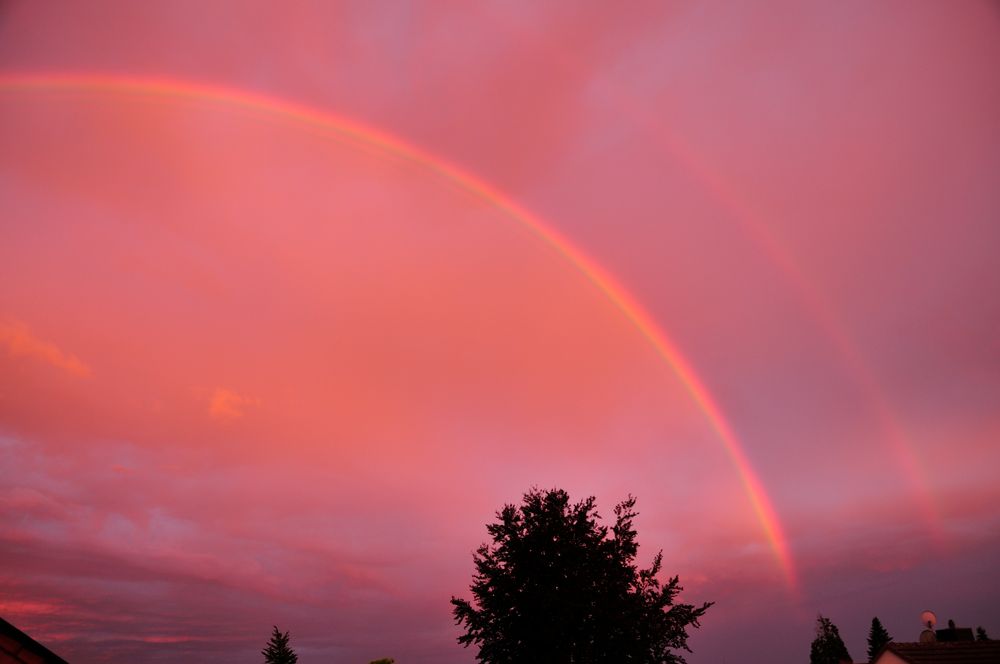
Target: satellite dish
[(928, 619)]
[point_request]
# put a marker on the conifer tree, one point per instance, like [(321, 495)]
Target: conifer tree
[(981, 634), (278, 651), (828, 647), (877, 638)]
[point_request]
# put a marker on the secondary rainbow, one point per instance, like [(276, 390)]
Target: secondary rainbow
[(818, 307), (335, 126)]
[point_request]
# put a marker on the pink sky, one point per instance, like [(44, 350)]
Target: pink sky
[(255, 371)]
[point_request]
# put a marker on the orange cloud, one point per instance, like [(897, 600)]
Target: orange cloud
[(28, 608), (228, 405), (21, 343), (169, 639)]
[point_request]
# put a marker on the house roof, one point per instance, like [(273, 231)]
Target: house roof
[(17, 646), (947, 652)]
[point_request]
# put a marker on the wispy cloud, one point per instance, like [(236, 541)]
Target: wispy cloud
[(228, 405), (20, 342), (28, 608)]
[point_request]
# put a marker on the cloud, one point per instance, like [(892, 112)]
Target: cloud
[(20, 342), (28, 608), (228, 405)]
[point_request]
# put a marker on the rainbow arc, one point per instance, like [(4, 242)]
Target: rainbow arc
[(337, 126)]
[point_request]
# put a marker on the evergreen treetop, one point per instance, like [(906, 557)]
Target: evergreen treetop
[(878, 636), (828, 647), (278, 651)]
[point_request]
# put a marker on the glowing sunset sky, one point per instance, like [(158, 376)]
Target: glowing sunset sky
[(293, 298)]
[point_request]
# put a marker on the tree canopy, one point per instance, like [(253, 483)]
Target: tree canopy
[(878, 636), (278, 650), (827, 647), (556, 586)]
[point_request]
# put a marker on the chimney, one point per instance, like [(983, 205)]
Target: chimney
[(955, 633)]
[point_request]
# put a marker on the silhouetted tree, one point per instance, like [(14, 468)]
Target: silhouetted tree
[(878, 636), (981, 634), (277, 650), (555, 587), (827, 647), (384, 660)]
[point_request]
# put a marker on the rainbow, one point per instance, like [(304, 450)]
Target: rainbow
[(336, 126), (817, 306)]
